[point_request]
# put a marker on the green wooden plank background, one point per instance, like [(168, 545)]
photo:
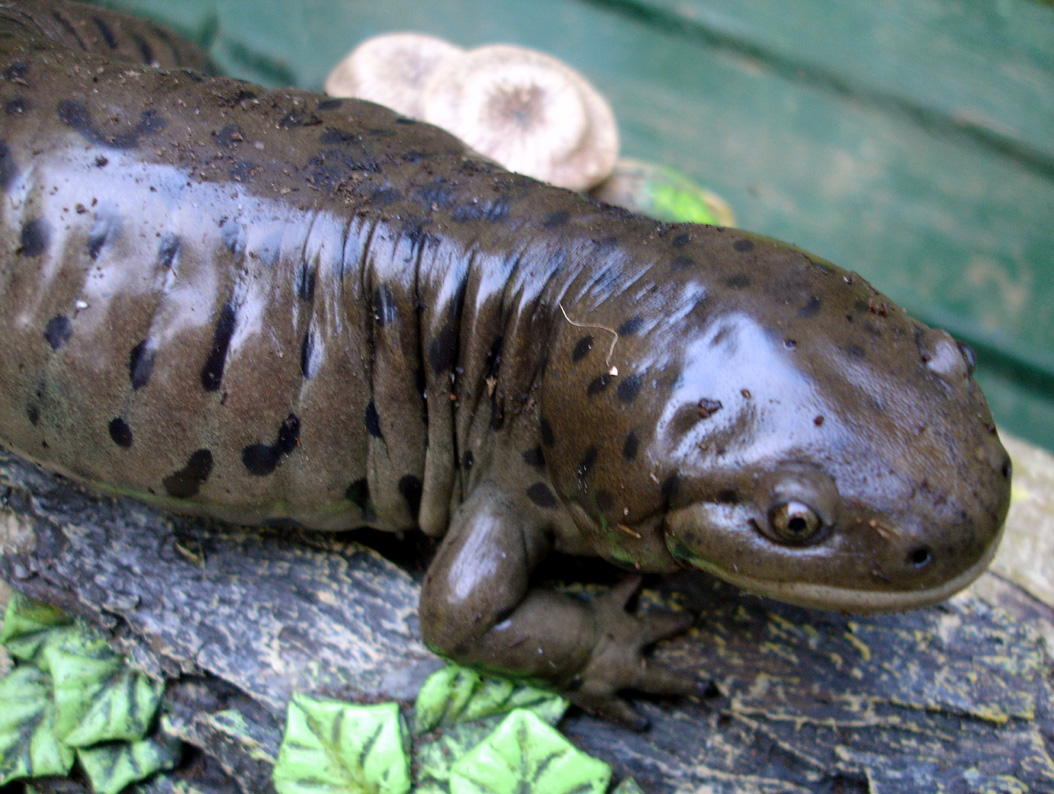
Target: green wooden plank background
[(910, 140)]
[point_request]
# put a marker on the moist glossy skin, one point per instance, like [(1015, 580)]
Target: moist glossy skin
[(265, 305)]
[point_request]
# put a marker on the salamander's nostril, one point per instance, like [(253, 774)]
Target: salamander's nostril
[(920, 557)]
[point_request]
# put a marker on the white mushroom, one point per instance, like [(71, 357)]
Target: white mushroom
[(526, 110), (390, 69)]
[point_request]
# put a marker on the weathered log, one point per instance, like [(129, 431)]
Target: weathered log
[(955, 698)]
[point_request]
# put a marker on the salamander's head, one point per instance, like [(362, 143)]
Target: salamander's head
[(776, 422)]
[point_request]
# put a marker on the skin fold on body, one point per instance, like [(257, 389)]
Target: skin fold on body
[(276, 305)]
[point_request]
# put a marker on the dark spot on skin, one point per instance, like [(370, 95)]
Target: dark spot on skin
[(670, 487), (556, 219), (548, 438), (585, 466), (307, 347), (75, 115), (34, 238), (330, 104), (233, 235), (383, 196), (540, 494), (120, 432), (16, 70), (631, 326), (350, 151), (442, 351), (140, 364), (681, 240), (598, 384), (384, 309), (811, 307), (305, 282), (468, 460), (8, 170), (817, 420), (105, 32), (604, 501), (708, 407), (373, 420), (585, 344), (410, 487), (230, 136), (187, 481), (262, 459), (746, 394), (212, 372), (358, 493), (629, 449), (682, 263), (740, 281), (298, 118), (58, 331), (494, 211), (242, 94), (33, 414), (743, 246), (169, 250), (628, 388), (790, 344), (17, 106), (438, 194), (855, 351), (534, 457)]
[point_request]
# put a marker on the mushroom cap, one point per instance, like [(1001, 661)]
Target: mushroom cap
[(526, 110), (390, 69)]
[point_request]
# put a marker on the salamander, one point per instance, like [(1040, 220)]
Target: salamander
[(274, 305)]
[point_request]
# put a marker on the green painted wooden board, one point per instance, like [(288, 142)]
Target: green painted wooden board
[(910, 140)]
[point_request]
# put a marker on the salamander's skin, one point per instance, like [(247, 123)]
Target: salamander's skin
[(274, 305)]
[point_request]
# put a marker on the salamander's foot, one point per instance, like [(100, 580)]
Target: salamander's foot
[(617, 661)]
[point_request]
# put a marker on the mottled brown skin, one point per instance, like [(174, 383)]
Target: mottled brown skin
[(264, 305)]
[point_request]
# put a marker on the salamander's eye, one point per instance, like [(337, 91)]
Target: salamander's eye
[(794, 523)]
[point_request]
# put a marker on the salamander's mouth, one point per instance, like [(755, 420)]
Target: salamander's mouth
[(852, 600)]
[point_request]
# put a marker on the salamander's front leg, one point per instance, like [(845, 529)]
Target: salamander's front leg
[(478, 608)]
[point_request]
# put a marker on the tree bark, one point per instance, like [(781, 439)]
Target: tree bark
[(955, 698)]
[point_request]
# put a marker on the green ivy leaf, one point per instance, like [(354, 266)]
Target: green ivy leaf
[(456, 694), (331, 746), (98, 697), (524, 755), (662, 193), (112, 766), (28, 624), (469, 706), (28, 745)]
